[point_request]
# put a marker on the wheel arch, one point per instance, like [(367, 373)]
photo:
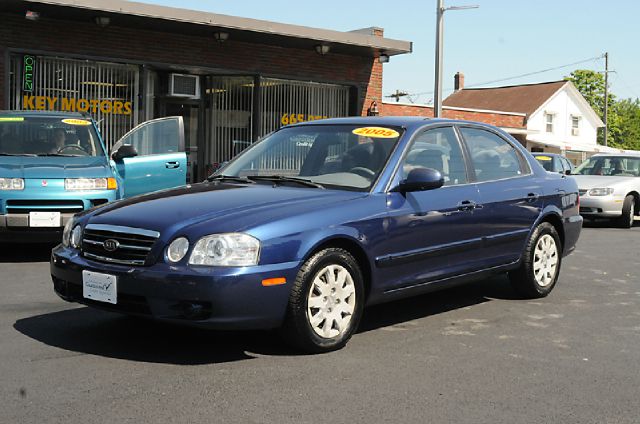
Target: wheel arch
[(354, 248), (636, 197)]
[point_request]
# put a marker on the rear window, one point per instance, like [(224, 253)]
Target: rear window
[(48, 136)]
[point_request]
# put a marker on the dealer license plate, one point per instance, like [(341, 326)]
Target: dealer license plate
[(99, 287), (45, 219)]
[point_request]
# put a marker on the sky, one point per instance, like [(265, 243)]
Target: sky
[(501, 39)]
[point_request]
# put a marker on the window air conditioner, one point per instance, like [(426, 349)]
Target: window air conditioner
[(181, 85)]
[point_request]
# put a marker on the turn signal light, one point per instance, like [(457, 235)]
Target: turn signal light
[(274, 281), (112, 184)]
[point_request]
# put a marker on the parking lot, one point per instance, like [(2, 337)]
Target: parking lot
[(471, 354)]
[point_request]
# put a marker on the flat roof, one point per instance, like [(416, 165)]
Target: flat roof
[(360, 42)]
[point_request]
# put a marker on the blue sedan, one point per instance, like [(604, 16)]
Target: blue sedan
[(318, 220)]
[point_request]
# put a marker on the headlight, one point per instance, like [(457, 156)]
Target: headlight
[(90, 184), (76, 237), (66, 233), (231, 249), (11, 184), (177, 249), (600, 191)]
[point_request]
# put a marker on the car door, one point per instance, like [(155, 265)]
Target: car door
[(155, 156), (430, 235), (511, 195)]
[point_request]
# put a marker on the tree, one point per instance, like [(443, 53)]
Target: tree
[(628, 113)]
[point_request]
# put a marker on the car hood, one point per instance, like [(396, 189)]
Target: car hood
[(54, 167), (224, 207), (586, 182)]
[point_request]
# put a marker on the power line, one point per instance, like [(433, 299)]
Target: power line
[(518, 76), (539, 72)]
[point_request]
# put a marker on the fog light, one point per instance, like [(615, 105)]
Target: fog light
[(177, 249)]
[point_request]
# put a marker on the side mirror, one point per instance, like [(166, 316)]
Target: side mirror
[(421, 179), (124, 151), (567, 172)]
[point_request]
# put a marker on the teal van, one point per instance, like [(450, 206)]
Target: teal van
[(54, 165)]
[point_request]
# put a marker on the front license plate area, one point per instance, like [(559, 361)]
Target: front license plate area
[(99, 287), (45, 219)]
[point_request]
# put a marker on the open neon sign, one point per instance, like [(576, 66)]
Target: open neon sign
[(28, 66)]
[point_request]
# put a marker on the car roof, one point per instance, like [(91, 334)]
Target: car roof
[(394, 121), (618, 155), (546, 154), (43, 113)]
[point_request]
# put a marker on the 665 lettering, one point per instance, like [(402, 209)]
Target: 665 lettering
[(294, 118)]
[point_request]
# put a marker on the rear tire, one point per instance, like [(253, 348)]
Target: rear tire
[(628, 212), (540, 266), (326, 302)]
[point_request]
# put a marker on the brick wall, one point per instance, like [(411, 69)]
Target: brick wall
[(497, 119), (140, 45)]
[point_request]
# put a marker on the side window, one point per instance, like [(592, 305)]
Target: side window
[(492, 157), (437, 149), (156, 137)]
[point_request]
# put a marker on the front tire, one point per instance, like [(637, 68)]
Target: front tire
[(540, 267), (326, 302), (628, 212)]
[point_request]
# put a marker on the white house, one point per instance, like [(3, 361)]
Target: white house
[(556, 117)]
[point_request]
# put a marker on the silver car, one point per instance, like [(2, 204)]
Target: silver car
[(609, 186)]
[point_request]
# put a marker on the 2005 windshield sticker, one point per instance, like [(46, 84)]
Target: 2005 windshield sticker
[(81, 122), (376, 132)]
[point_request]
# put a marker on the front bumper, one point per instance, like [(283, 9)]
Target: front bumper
[(220, 298), (15, 228), (601, 206), (15, 208)]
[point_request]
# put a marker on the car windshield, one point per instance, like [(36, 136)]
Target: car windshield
[(333, 156), (48, 136), (622, 166)]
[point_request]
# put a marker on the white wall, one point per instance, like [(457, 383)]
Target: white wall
[(564, 105)]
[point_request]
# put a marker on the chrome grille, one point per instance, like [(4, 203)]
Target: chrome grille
[(582, 192), (132, 245)]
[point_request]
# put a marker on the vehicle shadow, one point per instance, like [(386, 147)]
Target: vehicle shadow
[(36, 252), (95, 332), (606, 223)]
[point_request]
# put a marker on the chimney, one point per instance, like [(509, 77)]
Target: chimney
[(458, 81)]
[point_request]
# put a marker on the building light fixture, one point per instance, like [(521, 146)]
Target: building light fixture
[(322, 49), (383, 58), (220, 36), (373, 109), (102, 21), (32, 15)]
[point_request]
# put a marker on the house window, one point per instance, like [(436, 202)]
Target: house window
[(549, 122), (575, 125)]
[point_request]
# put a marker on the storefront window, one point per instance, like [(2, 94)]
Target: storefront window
[(231, 109), (106, 91)]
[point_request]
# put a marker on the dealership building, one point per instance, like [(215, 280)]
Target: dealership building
[(232, 79)]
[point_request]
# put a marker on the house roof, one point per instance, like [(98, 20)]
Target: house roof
[(162, 18), (525, 99)]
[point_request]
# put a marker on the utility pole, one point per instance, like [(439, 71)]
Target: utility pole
[(606, 95), (437, 91)]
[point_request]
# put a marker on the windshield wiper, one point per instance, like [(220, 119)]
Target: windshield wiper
[(280, 178), (229, 178), (59, 154), (17, 154)]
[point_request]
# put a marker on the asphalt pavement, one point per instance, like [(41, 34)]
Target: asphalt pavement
[(473, 354)]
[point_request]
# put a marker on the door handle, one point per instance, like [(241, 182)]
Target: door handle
[(172, 165), (468, 205)]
